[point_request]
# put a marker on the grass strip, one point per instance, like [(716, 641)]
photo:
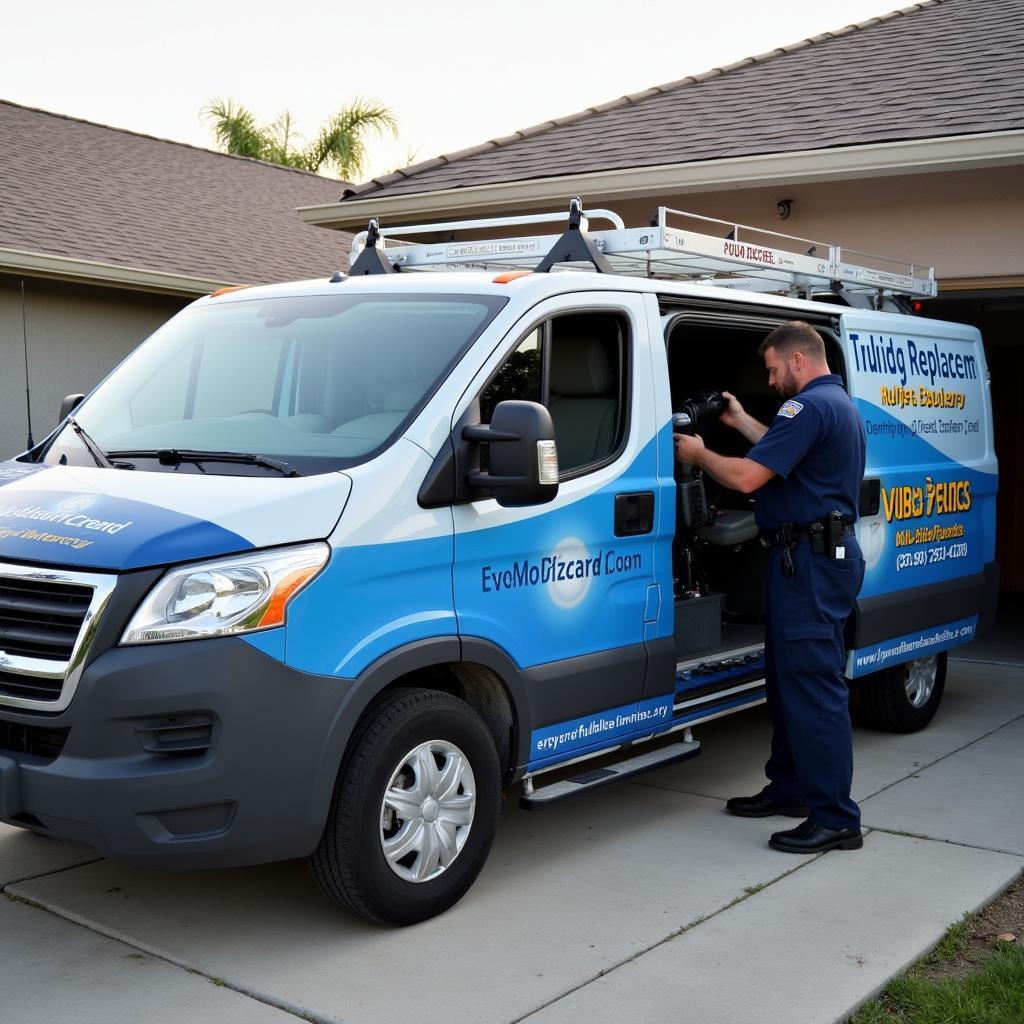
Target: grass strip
[(991, 994)]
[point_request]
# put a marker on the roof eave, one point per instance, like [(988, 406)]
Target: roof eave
[(109, 275), (916, 156)]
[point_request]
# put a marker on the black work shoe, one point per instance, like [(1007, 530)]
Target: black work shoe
[(762, 806), (811, 838)]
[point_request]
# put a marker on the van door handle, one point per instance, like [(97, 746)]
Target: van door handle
[(634, 513)]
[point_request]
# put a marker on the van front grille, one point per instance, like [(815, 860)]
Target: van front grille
[(48, 621), (13, 684), (41, 619)]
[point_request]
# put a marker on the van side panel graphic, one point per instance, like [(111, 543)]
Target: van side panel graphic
[(935, 519), (559, 583), (921, 390)]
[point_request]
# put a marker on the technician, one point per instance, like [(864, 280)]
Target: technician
[(807, 469)]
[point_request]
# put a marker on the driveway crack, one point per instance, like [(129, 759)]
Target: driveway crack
[(743, 897), (109, 933), (938, 760)]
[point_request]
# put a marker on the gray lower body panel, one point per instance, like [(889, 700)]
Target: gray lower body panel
[(199, 754)]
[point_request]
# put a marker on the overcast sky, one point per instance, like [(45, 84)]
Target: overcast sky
[(455, 72)]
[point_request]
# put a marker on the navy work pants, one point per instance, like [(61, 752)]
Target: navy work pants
[(811, 761)]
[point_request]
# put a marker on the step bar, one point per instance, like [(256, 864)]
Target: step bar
[(534, 799)]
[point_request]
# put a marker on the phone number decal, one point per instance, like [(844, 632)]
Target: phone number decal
[(929, 556)]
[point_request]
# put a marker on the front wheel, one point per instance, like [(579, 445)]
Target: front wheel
[(903, 698), (414, 812)]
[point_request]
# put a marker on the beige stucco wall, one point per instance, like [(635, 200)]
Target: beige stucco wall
[(76, 334), (967, 224)]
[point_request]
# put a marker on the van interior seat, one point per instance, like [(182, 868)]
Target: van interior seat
[(376, 426), (582, 406), (731, 527)]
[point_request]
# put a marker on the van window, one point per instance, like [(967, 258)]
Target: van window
[(518, 378), (321, 382), (575, 365), (162, 398)]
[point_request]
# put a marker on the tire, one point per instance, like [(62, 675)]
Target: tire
[(433, 857), (903, 698)]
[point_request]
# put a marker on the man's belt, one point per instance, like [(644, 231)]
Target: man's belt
[(789, 535)]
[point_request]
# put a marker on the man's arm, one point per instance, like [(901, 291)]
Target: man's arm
[(735, 416), (744, 475)]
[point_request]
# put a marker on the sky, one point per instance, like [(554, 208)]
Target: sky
[(454, 72)]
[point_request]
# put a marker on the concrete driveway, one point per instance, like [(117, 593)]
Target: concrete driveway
[(642, 902)]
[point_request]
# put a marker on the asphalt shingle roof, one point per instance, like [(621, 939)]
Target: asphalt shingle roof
[(86, 191), (938, 68)]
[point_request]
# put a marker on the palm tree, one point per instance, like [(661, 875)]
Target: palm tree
[(340, 145)]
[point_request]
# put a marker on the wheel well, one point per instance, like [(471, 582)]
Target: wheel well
[(482, 689)]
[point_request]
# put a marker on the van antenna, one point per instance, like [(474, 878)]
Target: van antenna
[(28, 398)]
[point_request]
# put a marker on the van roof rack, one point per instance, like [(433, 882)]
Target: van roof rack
[(675, 246)]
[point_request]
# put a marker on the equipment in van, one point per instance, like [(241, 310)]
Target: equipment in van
[(696, 410), (397, 539)]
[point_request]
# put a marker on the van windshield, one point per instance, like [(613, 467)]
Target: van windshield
[(318, 382)]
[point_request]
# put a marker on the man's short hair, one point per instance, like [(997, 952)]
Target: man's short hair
[(795, 336)]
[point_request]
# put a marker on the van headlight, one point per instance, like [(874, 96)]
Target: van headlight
[(226, 596)]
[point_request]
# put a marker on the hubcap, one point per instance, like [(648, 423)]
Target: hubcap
[(427, 810), (919, 679)]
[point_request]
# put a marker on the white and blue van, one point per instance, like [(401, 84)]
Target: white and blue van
[(322, 567)]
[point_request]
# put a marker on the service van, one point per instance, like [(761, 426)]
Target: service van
[(321, 568)]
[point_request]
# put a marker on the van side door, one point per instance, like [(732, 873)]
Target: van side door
[(562, 589)]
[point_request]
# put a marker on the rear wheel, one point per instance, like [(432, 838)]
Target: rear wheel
[(903, 698), (414, 812)]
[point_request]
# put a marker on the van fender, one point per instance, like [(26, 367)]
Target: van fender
[(409, 658)]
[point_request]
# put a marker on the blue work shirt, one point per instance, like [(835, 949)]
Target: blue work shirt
[(815, 445)]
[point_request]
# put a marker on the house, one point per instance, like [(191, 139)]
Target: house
[(111, 232), (902, 135)]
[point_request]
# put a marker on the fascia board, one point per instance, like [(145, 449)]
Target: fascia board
[(919, 156), (63, 268)]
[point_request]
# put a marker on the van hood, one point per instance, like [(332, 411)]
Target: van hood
[(119, 519)]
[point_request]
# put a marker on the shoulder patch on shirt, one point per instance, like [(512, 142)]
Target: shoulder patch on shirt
[(790, 409)]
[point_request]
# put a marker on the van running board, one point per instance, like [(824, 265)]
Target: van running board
[(535, 799)]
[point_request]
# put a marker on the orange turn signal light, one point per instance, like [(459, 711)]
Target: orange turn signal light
[(230, 288), (274, 615), (511, 275)]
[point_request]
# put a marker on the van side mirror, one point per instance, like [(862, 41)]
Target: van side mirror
[(69, 405), (523, 459)]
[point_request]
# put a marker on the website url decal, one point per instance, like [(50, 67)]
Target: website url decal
[(914, 645), (600, 726)]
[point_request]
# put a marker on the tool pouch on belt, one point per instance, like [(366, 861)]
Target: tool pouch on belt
[(838, 528), (817, 532)]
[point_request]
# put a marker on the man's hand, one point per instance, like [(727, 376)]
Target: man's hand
[(744, 475), (732, 414), (688, 447)]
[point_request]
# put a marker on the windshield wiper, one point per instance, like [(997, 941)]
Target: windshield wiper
[(176, 456), (99, 456)]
